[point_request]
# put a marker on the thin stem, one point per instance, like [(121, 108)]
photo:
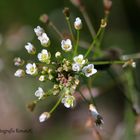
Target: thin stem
[(109, 62), (131, 56), (84, 97), (93, 42), (77, 41), (57, 103), (89, 88), (56, 30), (70, 28), (99, 41), (88, 21)]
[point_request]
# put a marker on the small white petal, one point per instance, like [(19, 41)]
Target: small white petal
[(79, 59), (66, 45), (76, 67), (44, 56), (89, 70), (39, 93), (44, 40), (67, 105), (31, 69), (30, 48), (39, 31), (19, 73)]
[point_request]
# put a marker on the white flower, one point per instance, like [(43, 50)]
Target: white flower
[(79, 59), (39, 93), (39, 31), (66, 45), (30, 48), (68, 101), (42, 78), (44, 56), (19, 73), (44, 40), (57, 54), (89, 70), (18, 61), (76, 67), (31, 69), (44, 116), (78, 23)]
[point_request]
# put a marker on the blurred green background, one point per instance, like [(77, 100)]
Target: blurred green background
[(17, 20)]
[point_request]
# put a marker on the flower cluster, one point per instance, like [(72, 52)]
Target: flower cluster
[(63, 72)]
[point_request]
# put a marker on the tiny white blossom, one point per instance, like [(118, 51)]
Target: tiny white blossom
[(44, 40), (18, 61), (42, 78), (79, 59), (66, 45), (44, 56), (89, 70), (31, 69), (30, 48), (68, 101), (76, 67), (57, 54), (44, 116), (19, 73), (39, 93), (39, 31), (78, 23)]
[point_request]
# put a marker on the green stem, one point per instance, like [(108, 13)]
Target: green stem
[(57, 103), (93, 42), (99, 41), (109, 62), (70, 28), (90, 92), (77, 41)]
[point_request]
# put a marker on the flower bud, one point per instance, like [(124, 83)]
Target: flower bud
[(77, 3), (18, 61), (77, 81), (30, 48), (31, 106), (44, 18), (20, 73), (42, 78), (50, 77), (78, 23), (107, 6), (66, 12), (44, 40), (57, 54), (44, 116), (129, 63), (103, 23)]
